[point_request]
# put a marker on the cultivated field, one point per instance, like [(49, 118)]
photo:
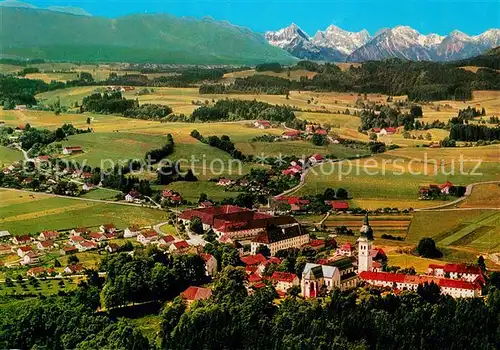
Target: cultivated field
[(395, 225), (22, 213), (486, 195)]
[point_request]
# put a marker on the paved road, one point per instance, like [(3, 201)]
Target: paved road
[(468, 191), (81, 199)]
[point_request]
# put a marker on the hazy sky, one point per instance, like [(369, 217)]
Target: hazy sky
[(440, 16)]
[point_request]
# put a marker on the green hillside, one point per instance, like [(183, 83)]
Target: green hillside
[(159, 38)]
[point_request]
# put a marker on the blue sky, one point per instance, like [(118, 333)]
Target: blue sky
[(440, 16)]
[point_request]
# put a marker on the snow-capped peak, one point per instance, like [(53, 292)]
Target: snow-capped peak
[(286, 36), (342, 40)]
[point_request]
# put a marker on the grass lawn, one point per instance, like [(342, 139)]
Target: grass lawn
[(45, 287), (191, 191), (101, 193), (27, 214), (397, 175), (9, 156), (168, 230), (407, 260), (101, 149)]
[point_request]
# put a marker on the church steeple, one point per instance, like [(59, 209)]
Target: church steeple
[(366, 230)]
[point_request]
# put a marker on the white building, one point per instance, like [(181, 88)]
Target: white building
[(283, 281), (365, 242), (210, 264), (147, 237), (132, 231), (280, 238)]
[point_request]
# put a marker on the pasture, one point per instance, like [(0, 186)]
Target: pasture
[(191, 191), (398, 174), (23, 212), (9, 156)]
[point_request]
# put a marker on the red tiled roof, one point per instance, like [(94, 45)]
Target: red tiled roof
[(321, 132), (23, 238), (339, 205), (253, 278), (26, 249), (283, 276), (168, 238), (316, 243), (436, 266), (318, 156), (96, 235), (208, 215), (292, 133), (263, 122), (259, 285), (73, 148), (206, 257), (47, 244), (462, 268), (376, 129), (70, 249), (88, 244), (390, 129), (108, 226), (149, 234), (447, 184), (76, 268), (77, 239), (253, 259), (347, 246), (196, 293), (181, 244), (50, 234)]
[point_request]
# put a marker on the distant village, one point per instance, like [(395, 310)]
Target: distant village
[(260, 239)]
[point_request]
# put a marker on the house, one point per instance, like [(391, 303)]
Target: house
[(86, 245), (346, 249), (321, 132), (316, 158), (48, 236), (132, 231), (73, 269), (147, 237), (262, 124), (30, 259), (166, 241), (87, 187), (193, 294), (283, 281), (454, 288), (210, 264), (79, 231), (45, 245), (291, 134), (74, 240), (68, 250), (378, 254), (24, 239), (97, 237), (388, 131), (35, 271), (22, 251), (295, 202), (339, 205), (107, 228), (42, 159), (179, 247), (206, 204), (5, 235), (280, 238), (317, 244), (72, 150), (254, 263), (132, 196), (5, 249), (445, 188), (376, 130), (113, 248), (292, 170), (225, 182)]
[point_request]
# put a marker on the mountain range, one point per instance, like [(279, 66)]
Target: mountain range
[(336, 44), (28, 32)]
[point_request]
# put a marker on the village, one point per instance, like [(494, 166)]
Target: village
[(262, 241)]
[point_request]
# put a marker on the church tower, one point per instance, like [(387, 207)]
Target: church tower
[(365, 242)]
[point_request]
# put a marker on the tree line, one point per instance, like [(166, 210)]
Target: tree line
[(223, 143)]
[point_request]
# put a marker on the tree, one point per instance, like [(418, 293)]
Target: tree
[(264, 250), (318, 140), (229, 286), (294, 291), (196, 225), (88, 120), (481, 263), (73, 259), (8, 282), (427, 248), (342, 193), (373, 136), (203, 198), (329, 194), (57, 263)]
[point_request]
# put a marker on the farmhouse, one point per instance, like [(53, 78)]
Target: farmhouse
[(210, 264), (48, 235), (73, 269), (292, 170), (24, 239), (30, 259), (291, 134), (445, 188), (74, 240), (179, 247), (72, 150), (97, 237), (147, 237), (457, 271), (196, 293), (316, 158), (278, 238), (346, 249), (68, 250), (339, 205), (132, 196), (45, 245), (22, 251), (166, 241), (86, 245), (112, 248), (107, 228), (262, 124), (131, 231), (283, 281), (79, 231)]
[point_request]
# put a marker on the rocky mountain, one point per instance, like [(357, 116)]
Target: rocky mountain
[(336, 38), (299, 44), (336, 44), (407, 43)]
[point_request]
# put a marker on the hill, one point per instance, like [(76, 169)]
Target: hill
[(489, 59), (159, 38)]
